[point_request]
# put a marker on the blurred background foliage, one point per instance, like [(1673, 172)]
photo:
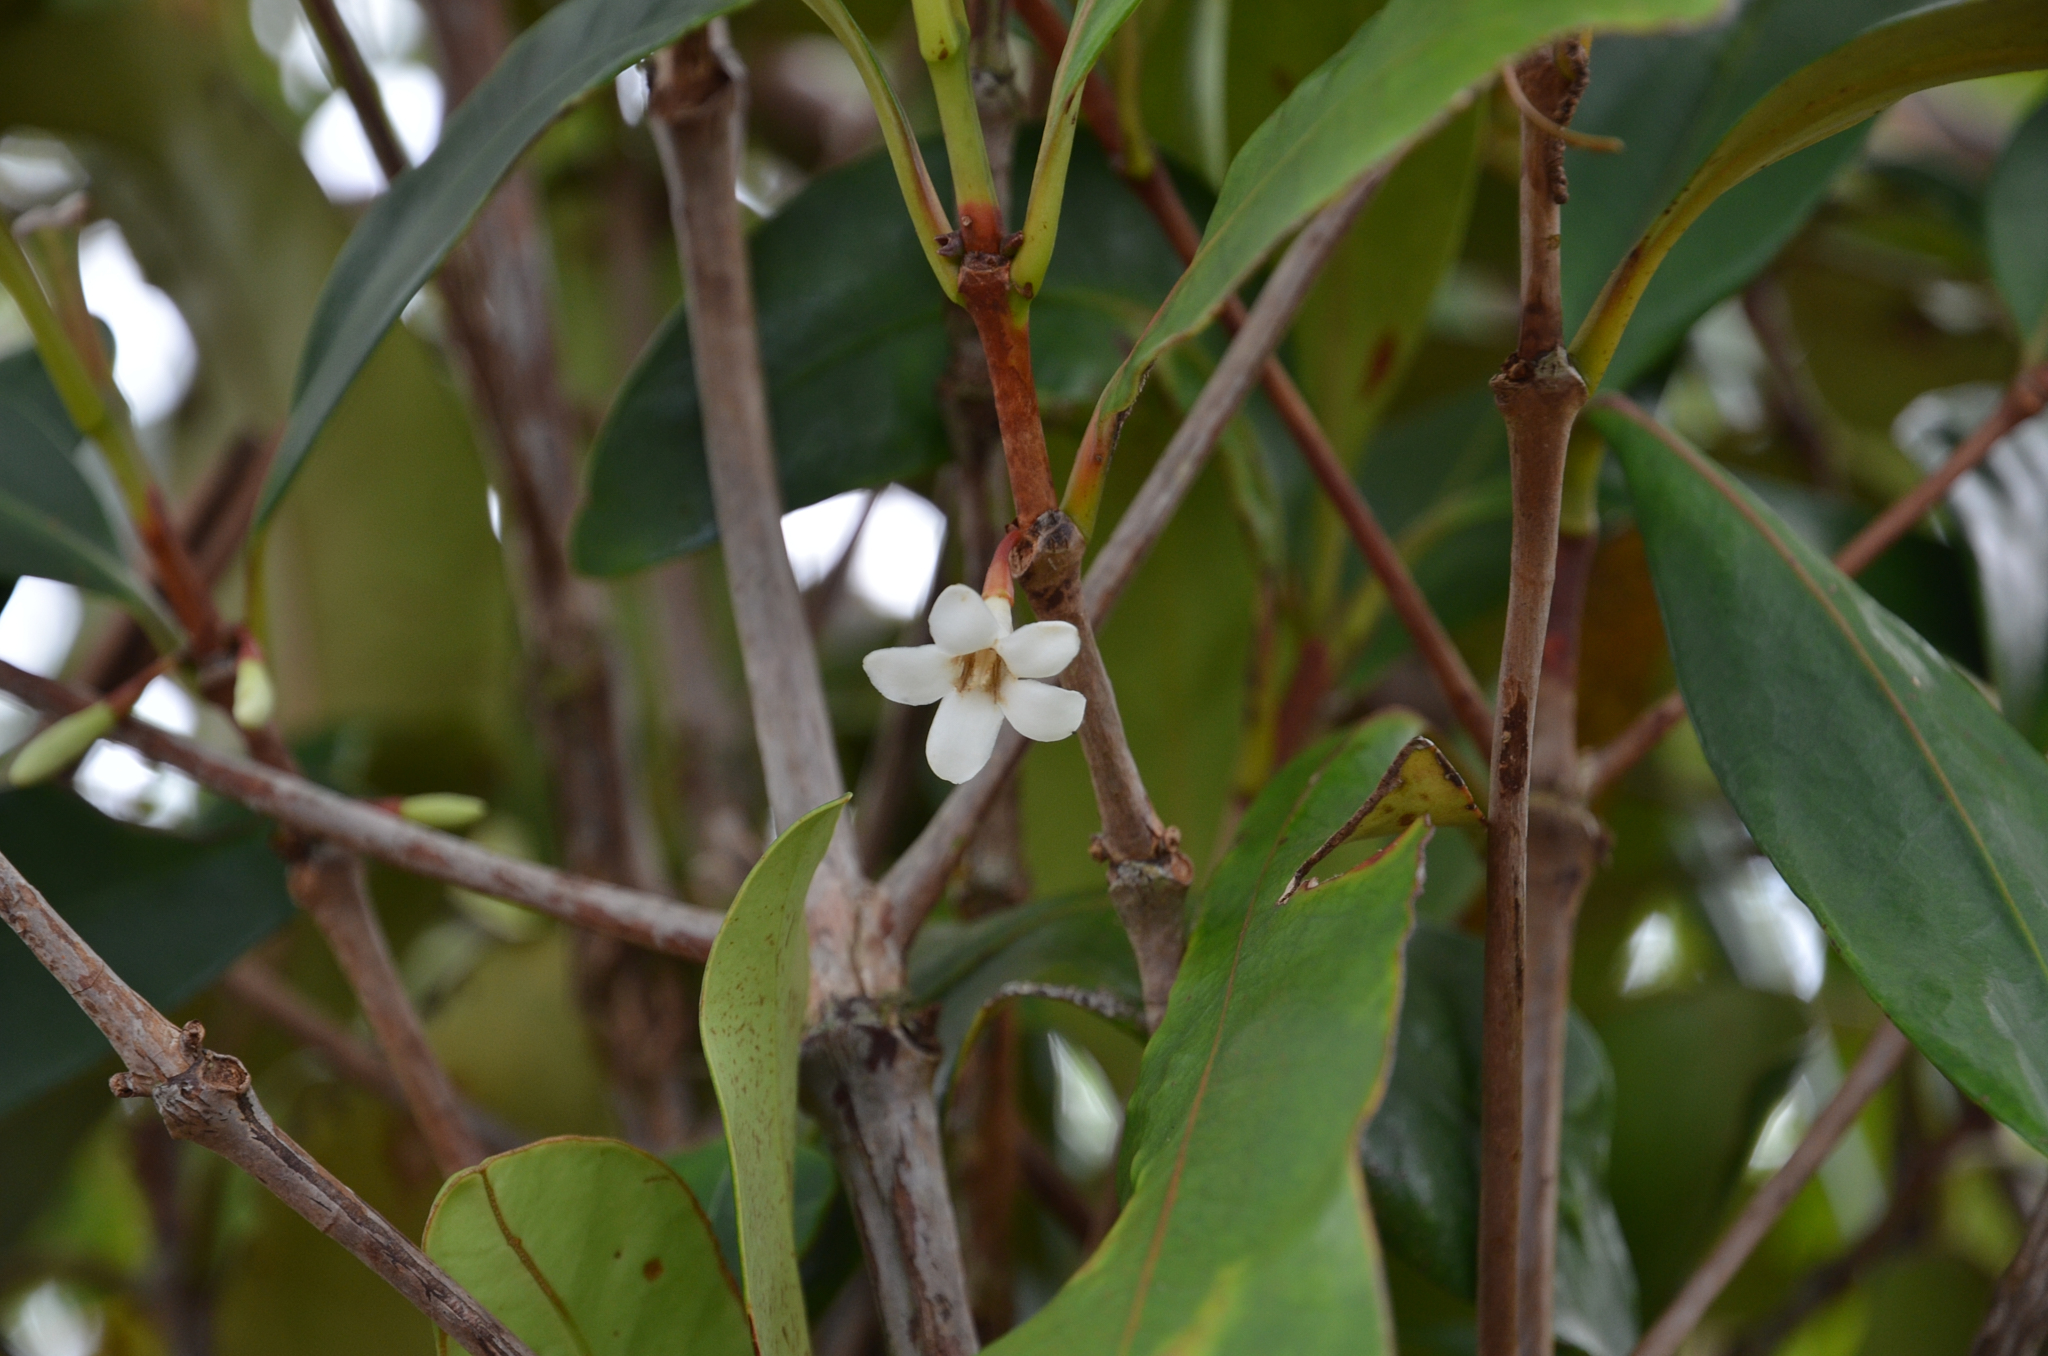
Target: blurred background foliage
[(1834, 316)]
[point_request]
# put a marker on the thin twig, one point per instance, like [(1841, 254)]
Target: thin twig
[(695, 105), (2024, 398), (1535, 117), (636, 916), (1539, 395), (2018, 1322), (867, 1068), (328, 884), (254, 984), (360, 85), (1880, 1059), (1156, 189), (207, 1098)]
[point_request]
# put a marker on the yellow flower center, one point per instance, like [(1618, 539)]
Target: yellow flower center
[(979, 672)]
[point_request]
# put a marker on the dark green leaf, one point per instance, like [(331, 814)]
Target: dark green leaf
[(168, 914), (1421, 1152), (588, 1247), (401, 241), (1672, 98), (756, 984), (1891, 796), (1695, 1075), (51, 524), (1073, 941), (853, 343), (1406, 68), (707, 1171), (2016, 230), (1933, 46), (1245, 1226)]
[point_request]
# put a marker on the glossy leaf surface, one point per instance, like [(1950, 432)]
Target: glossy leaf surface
[(853, 347), (1894, 800), (1245, 1225), (1934, 46), (707, 1171), (1411, 64), (587, 1247), (752, 1019), (51, 523), (1672, 97), (2016, 230), (1421, 1152), (168, 914), (408, 232)]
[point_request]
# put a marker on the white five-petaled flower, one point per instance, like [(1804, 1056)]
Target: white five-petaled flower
[(979, 671)]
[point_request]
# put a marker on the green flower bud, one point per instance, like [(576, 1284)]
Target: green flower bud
[(61, 745), (443, 810), (255, 694)]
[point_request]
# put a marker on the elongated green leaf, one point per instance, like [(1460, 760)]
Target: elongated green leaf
[(1362, 323), (51, 524), (401, 241), (1421, 1152), (1672, 98), (168, 914), (755, 986), (853, 343), (2016, 230), (1245, 1227), (1891, 796), (1411, 65), (707, 1171), (588, 1247), (1073, 941), (1934, 46)]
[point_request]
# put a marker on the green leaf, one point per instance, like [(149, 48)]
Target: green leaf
[(1074, 941), (1361, 325), (2016, 230), (853, 344), (707, 1171), (1934, 46), (1405, 71), (168, 914), (1421, 1152), (1672, 98), (755, 987), (402, 239), (1893, 799), (588, 1247), (51, 523), (1695, 1075), (1245, 1227)]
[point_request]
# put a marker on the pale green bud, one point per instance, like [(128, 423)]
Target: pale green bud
[(443, 810), (61, 745), (255, 694)]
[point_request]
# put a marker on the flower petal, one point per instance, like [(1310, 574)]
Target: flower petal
[(915, 675), (961, 623), (963, 735), (999, 608), (1041, 649), (1040, 710)]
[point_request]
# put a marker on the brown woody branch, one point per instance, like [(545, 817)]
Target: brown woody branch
[(207, 1098), (867, 1068), (1880, 1059), (637, 916), (2018, 1322), (1155, 188), (1539, 395), (2026, 397)]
